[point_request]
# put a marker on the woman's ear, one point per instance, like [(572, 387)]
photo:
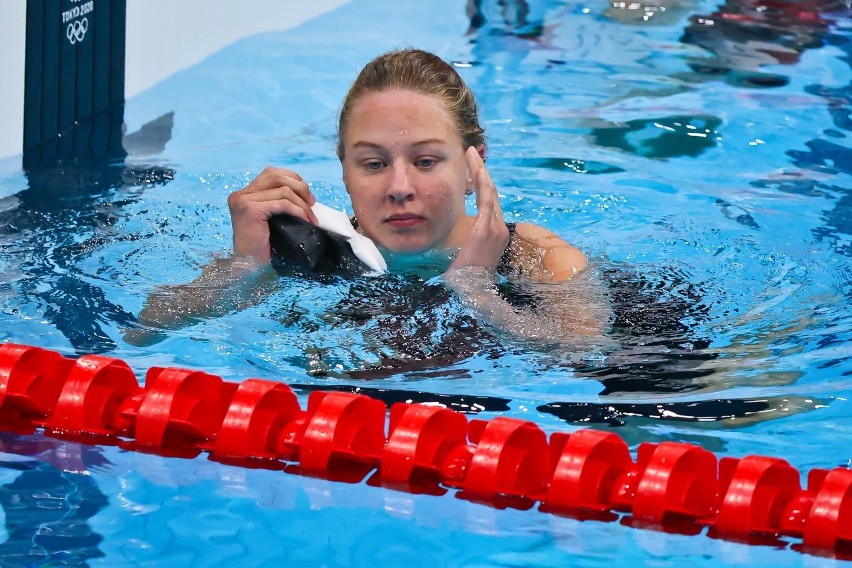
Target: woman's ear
[(481, 150)]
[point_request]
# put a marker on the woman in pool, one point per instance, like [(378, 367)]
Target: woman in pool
[(411, 148)]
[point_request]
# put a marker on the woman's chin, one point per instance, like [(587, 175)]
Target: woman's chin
[(403, 248), (402, 251)]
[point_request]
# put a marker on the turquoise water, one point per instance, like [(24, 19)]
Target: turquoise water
[(705, 168)]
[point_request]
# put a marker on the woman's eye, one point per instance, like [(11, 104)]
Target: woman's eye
[(425, 163), (373, 165)]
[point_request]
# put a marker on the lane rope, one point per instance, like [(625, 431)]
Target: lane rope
[(502, 462)]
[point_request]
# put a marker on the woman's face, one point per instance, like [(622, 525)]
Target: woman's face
[(405, 171)]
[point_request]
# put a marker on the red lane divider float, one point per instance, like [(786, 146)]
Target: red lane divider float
[(502, 462)]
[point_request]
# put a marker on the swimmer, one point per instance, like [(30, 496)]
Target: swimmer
[(411, 149)]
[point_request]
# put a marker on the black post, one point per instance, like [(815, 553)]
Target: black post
[(74, 82)]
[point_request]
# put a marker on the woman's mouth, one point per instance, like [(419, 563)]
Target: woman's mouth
[(404, 220)]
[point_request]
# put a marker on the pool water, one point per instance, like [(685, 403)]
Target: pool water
[(698, 154)]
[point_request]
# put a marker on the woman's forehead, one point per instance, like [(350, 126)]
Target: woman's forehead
[(399, 116), (399, 101)]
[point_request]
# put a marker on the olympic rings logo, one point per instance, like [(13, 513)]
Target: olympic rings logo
[(76, 30)]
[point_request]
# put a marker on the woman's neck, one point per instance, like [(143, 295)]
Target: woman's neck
[(426, 264)]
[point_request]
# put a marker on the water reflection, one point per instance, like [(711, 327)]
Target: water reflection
[(516, 17), (742, 36), (650, 12), (414, 325)]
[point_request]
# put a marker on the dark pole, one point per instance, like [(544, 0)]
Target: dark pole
[(74, 82)]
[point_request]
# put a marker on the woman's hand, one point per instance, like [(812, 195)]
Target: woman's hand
[(488, 236), (273, 192)]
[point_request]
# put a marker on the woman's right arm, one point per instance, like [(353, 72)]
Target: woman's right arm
[(548, 261), (229, 283)]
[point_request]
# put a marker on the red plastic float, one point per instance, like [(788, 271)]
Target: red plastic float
[(588, 468), (250, 430), (420, 440), (829, 522), (342, 429), (259, 423), (509, 457), (756, 490), (181, 409), (677, 479), (31, 379), (94, 390)]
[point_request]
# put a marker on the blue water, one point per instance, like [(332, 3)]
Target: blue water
[(705, 168)]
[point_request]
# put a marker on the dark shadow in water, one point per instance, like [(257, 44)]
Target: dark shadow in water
[(416, 322), (47, 513), (658, 352), (413, 320), (47, 507), (662, 137), (701, 411), (468, 404), (67, 211)]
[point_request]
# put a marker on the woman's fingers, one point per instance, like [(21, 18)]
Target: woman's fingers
[(264, 204), (487, 200), (488, 236), (275, 191), (271, 178)]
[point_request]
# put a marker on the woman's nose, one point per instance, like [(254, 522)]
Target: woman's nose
[(400, 187)]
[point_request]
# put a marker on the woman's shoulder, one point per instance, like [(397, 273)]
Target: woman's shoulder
[(558, 257)]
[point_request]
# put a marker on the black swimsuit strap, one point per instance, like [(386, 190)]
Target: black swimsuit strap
[(506, 259)]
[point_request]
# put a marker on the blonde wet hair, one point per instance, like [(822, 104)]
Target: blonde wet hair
[(420, 72)]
